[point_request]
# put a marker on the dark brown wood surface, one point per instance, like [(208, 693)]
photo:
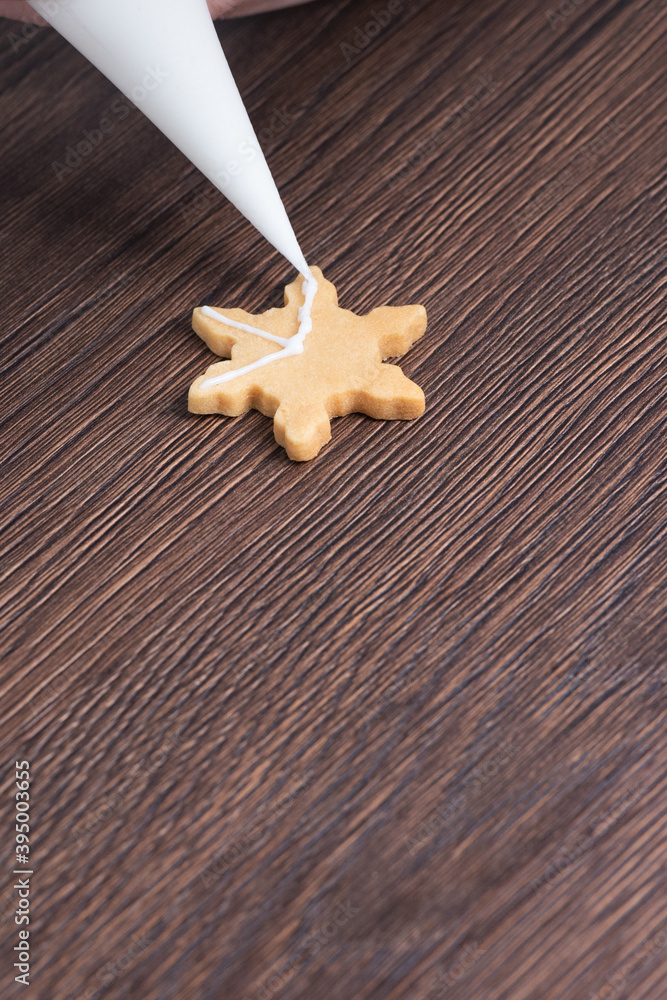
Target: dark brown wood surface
[(389, 725)]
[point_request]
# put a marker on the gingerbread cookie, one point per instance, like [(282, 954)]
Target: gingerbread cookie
[(330, 363)]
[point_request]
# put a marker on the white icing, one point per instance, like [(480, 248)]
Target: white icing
[(214, 314), (291, 345)]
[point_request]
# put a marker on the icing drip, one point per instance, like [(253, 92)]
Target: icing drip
[(290, 346)]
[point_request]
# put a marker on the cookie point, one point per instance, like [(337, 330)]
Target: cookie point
[(419, 321), (420, 315), (195, 401)]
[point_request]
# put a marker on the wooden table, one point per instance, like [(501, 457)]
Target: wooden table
[(389, 724)]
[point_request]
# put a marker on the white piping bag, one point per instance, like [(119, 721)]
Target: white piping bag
[(165, 56)]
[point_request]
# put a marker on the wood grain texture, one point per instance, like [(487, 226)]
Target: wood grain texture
[(390, 725)]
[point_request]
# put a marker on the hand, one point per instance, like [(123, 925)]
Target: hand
[(21, 11), (18, 10), (241, 8)]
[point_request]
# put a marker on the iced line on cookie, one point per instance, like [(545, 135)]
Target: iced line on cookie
[(214, 314), (292, 345)]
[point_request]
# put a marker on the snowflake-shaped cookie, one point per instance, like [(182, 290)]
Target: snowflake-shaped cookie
[(340, 371)]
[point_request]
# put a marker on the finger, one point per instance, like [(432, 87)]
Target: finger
[(19, 10), (242, 8)]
